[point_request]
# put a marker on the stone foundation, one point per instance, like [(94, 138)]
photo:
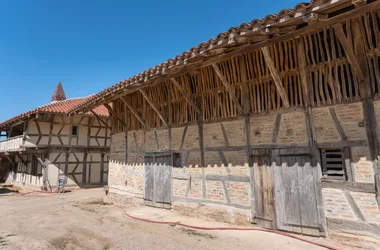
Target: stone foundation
[(217, 213)]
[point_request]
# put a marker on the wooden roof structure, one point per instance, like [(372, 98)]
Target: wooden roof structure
[(287, 24)]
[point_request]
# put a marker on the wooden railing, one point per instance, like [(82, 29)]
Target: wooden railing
[(16, 143)]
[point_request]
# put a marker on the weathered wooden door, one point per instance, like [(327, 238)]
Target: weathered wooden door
[(158, 171), (263, 188), (298, 194)]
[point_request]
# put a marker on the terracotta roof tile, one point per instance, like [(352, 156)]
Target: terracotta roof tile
[(59, 107), (222, 40)]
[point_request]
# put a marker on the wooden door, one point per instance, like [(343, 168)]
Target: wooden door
[(298, 193), (158, 171), (263, 189)]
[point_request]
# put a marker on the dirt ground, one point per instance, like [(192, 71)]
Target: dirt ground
[(81, 220)]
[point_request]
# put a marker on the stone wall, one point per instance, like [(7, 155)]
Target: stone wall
[(216, 183)]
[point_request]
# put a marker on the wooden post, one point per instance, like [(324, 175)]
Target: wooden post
[(356, 55), (377, 180), (247, 127)]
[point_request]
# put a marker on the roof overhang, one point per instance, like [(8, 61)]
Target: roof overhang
[(287, 24)]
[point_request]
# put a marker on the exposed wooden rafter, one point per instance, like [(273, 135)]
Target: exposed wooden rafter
[(185, 95), (348, 49), (229, 88), (276, 77), (151, 103), (100, 119), (114, 114), (134, 111)]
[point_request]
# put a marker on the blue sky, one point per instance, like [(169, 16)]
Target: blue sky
[(89, 45)]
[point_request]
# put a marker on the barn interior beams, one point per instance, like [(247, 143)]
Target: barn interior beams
[(318, 68)]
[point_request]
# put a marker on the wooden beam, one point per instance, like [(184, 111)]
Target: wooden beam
[(338, 126), (185, 95), (201, 62), (10, 160), (348, 49), (275, 76), (114, 114), (369, 113), (229, 88), (22, 160), (302, 67), (100, 119), (151, 103), (133, 110)]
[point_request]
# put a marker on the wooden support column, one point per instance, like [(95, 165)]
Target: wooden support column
[(154, 107), (276, 77), (25, 132), (356, 55), (247, 126), (52, 117), (228, 86), (102, 167)]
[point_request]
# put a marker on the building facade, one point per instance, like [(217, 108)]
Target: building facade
[(275, 122), (46, 144)]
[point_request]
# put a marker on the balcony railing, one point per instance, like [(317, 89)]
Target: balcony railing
[(16, 143)]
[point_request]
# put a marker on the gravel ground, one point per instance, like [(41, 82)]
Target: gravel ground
[(80, 220)]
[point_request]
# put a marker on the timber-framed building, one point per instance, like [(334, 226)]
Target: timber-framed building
[(46, 144), (274, 122)]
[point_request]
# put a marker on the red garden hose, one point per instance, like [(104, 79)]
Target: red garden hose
[(225, 228), (203, 228)]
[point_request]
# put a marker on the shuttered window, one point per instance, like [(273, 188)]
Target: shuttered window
[(334, 164)]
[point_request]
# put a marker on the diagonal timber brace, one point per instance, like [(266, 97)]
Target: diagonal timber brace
[(229, 88)]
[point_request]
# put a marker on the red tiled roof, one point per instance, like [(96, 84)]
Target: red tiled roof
[(233, 37), (59, 107)]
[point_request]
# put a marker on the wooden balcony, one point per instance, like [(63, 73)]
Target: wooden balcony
[(16, 143)]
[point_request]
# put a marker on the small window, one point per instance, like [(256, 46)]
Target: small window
[(177, 160), (74, 130), (333, 164)]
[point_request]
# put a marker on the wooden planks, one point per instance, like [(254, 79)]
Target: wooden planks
[(158, 180), (297, 196), (263, 189)]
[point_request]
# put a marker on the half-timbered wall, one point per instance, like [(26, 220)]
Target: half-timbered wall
[(81, 154), (318, 90)]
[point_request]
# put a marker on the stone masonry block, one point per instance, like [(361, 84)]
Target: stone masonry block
[(191, 138), (150, 139), (363, 167), (324, 125), (239, 192), (195, 190), (262, 129), (368, 205), (235, 132), (336, 205), (177, 134), (349, 116), (213, 159), (293, 129), (215, 191), (163, 138), (213, 135), (179, 187)]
